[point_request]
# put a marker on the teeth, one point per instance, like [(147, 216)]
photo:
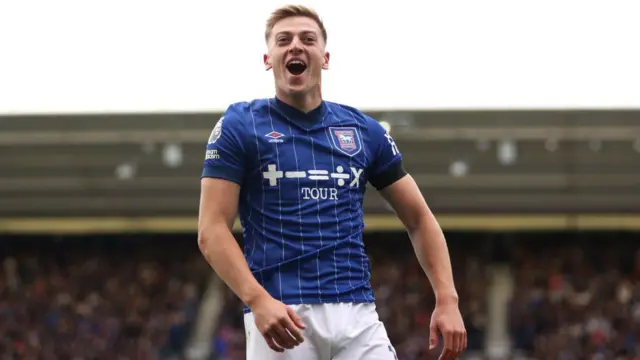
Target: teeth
[(297, 62)]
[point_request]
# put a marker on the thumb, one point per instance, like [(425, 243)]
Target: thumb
[(296, 319), (433, 336)]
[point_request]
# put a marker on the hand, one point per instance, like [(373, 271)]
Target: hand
[(446, 320), (279, 324)]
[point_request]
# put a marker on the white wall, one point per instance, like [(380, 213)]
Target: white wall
[(191, 55)]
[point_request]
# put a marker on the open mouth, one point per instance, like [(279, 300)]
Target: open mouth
[(296, 67)]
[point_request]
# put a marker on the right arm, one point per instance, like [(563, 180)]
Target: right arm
[(224, 171), (218, 210)]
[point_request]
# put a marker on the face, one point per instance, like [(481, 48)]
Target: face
[(296, 55)]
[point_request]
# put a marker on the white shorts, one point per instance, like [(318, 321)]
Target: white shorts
[(333, 332)]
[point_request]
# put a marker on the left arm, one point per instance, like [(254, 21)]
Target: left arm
[(431, 249), (426, 236), (403, 194), (400, 190)]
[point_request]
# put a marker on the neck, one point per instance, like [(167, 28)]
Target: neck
[(304, 102)]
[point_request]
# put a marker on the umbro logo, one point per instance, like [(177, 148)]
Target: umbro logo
[(275, 137)]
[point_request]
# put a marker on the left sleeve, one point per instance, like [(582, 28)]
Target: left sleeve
[(225, 157), (386, 166)]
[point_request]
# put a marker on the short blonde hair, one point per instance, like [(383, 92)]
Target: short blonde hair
[(290, 11)]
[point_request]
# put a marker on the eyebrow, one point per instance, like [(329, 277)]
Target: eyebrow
[(303, 32)]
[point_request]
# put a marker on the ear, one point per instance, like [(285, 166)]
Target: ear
[(325, 64), (267, 62)]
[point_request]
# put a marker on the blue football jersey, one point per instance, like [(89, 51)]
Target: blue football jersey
[(303, 178)]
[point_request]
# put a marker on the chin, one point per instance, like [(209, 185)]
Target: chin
[(297, 89)]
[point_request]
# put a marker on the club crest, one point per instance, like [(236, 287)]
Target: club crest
[(346, 140)]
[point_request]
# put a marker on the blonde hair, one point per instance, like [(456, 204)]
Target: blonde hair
[(290, 11)]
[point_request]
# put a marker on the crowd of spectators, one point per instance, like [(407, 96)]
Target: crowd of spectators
[(96, 298), (138, 297), (577, 298)]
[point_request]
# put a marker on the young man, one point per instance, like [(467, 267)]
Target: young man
[(295, 167)]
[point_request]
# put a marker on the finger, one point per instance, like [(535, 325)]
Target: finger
[(461, 341), (282, 337), (464, 340), (272, 344), (456, 341), (296, 319), (433, 337), (450, 340), (293, 330), (447, 355)]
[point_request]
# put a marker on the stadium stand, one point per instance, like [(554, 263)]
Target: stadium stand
[(136, 297), (98, 297), (577, 298)]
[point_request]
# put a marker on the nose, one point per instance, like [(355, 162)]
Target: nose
[(296, 47)]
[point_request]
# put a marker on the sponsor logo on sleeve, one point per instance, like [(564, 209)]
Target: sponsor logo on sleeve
[(212, 155)]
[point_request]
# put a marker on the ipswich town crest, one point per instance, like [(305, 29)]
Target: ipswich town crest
[(346, 140)]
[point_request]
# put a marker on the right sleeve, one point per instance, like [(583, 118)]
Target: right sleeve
[(225, 157)]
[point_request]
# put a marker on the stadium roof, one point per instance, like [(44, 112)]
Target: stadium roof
[(465, 162)]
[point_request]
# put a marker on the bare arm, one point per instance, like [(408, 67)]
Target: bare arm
[(403, 194), (426, 236), (218, 210)]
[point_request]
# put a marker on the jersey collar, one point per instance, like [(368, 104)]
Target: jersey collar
[(307, 120)]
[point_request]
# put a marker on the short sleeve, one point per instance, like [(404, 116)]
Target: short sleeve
[(225, 155), (386, 164)]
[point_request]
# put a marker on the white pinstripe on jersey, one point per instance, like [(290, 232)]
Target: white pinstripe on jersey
[(279, 201), (295, 156), (255, 132)]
